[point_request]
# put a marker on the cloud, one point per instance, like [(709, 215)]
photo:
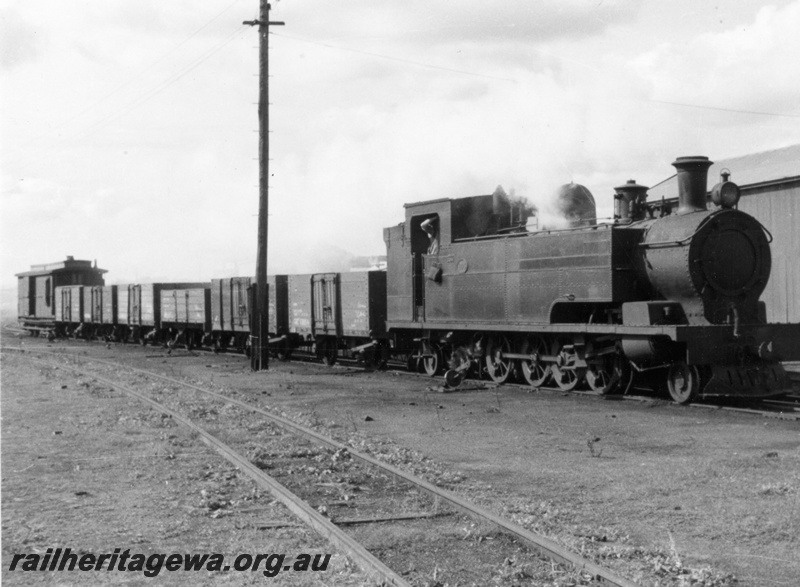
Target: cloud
[(150, 134), (422, 22), (20, 42), (751, 67)]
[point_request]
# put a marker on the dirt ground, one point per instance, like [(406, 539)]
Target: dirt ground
[(665, 494), (87, 468)]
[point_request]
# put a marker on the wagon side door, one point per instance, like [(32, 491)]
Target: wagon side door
[(97, 304), (240, 314), (27, 296), (325, 303), (66, 304), (135, 305)]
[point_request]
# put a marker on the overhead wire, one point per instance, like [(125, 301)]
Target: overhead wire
[(476, 74), (208, 54), (165, 84), (93, 105), (160, 59), (96, 125), (398, 59), (720, 108)]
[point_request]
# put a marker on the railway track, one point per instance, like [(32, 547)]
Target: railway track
[(785, 408), (442, 511), (781, 408)]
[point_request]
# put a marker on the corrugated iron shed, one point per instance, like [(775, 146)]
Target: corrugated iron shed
[(749, 170)]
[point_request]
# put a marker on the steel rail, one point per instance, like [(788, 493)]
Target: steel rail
[(319, 523), (792, 414), (541, 544)]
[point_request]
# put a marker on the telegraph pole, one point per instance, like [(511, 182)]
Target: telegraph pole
[(259, 352)]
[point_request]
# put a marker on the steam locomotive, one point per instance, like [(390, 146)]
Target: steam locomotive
[(668, 294)]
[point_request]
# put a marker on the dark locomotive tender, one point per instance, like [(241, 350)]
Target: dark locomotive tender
[(673, 295)]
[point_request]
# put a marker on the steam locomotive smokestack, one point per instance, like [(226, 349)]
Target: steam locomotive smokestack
[(692, 183)]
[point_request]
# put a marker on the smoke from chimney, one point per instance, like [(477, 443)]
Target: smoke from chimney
[(510, 209)]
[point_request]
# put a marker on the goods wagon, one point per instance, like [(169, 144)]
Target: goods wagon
[(69, 310), (230, 312), (139, 310), (338, 313), (231, 303), (185, 314), (100, 311)]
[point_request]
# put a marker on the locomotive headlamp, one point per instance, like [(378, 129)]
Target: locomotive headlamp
[(726, 193)]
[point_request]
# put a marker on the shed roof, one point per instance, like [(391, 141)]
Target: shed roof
[(70, 264), (747, 170)]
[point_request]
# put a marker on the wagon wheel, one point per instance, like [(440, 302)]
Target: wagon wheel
[(367, 357), (284, 351), (380, 356), (611, 375), (535, 370), (566, 375), (328, 351), (498, 366), (684, 382), (170, 341), (431, 357)]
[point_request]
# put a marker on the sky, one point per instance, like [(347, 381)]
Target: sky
[(129, 130)]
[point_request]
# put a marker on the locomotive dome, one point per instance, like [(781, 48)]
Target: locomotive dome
[(576, 203)]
